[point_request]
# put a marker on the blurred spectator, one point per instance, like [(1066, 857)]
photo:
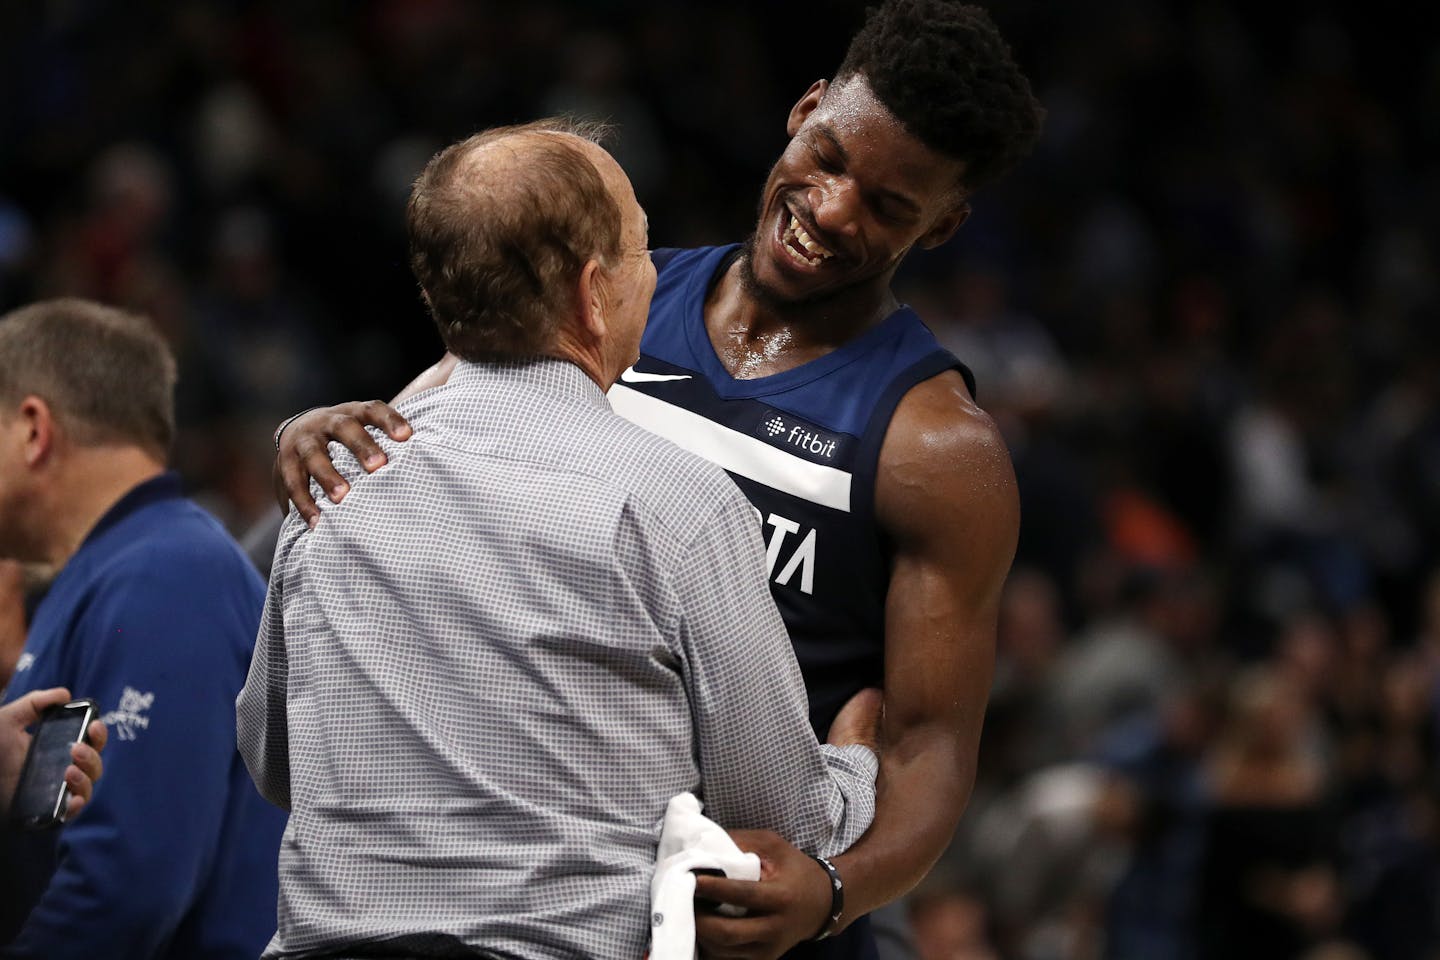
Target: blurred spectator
[(1024, 729), (1120, 666), (1269, 884), (1049, 852), (950, 923)]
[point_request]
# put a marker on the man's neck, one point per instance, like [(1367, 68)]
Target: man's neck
[(589, 357), (84, 488), (756, 337)]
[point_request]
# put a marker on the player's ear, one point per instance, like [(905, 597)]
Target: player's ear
[(805, 106), (944, 228)]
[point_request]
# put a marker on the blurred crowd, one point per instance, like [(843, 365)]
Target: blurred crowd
[(1199, 313)]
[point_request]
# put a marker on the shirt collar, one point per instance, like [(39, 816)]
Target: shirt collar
[(549, 375), (164, 487)]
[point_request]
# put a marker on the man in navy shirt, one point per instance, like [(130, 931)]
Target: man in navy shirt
[(887, 494), (153, 613)]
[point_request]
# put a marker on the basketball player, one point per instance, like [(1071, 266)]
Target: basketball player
[(886, 494)]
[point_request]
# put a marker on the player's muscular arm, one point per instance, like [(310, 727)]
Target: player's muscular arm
[(303, 444), (946, 496)]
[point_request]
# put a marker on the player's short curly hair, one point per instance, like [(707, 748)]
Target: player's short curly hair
[(945, 73)]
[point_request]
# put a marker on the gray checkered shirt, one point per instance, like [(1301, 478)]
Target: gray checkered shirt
[(482, 676)]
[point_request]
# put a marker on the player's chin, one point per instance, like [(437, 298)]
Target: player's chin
[(773, 278), (788, 280), (768, 287)]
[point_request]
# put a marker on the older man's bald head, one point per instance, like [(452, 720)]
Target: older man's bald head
[(501, 226)]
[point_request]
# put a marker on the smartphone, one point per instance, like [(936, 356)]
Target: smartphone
[(41, 795)]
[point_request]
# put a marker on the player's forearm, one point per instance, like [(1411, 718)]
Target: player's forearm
[(925, 782)]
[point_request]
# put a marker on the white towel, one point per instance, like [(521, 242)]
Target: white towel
[(689, 840)]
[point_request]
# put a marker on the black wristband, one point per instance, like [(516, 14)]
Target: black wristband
[(837, 899), (286, 422)]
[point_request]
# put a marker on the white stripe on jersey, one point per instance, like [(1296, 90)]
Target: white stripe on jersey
[(734, 451)]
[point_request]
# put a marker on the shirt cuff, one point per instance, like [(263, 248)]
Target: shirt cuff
[(859, 757)]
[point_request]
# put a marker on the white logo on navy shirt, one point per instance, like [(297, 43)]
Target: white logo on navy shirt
[(799, 435), (631, 375), (810, 441), (26, 661), (128, 718), (802, 561)]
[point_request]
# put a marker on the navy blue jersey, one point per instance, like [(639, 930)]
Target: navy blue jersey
[(803, 446)]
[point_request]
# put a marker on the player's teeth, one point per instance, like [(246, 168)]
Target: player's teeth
[(807, 241), (795, 230)]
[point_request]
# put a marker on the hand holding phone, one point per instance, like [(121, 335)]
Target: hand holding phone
[(42, 796)]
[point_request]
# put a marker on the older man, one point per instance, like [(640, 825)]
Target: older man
[(480, 679), (153, 613)]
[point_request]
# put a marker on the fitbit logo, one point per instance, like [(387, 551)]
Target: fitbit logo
[(790, 433), (813, 442)]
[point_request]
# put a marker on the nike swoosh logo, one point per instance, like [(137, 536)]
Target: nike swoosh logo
[(631, 375)]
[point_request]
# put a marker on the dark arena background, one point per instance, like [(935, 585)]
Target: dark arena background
[(1204, 313)]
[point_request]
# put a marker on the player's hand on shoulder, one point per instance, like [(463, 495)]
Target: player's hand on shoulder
[(788, 904), (302, 450)]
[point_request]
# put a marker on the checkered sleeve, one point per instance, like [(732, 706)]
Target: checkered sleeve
[(261, 718), (760, 765)]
